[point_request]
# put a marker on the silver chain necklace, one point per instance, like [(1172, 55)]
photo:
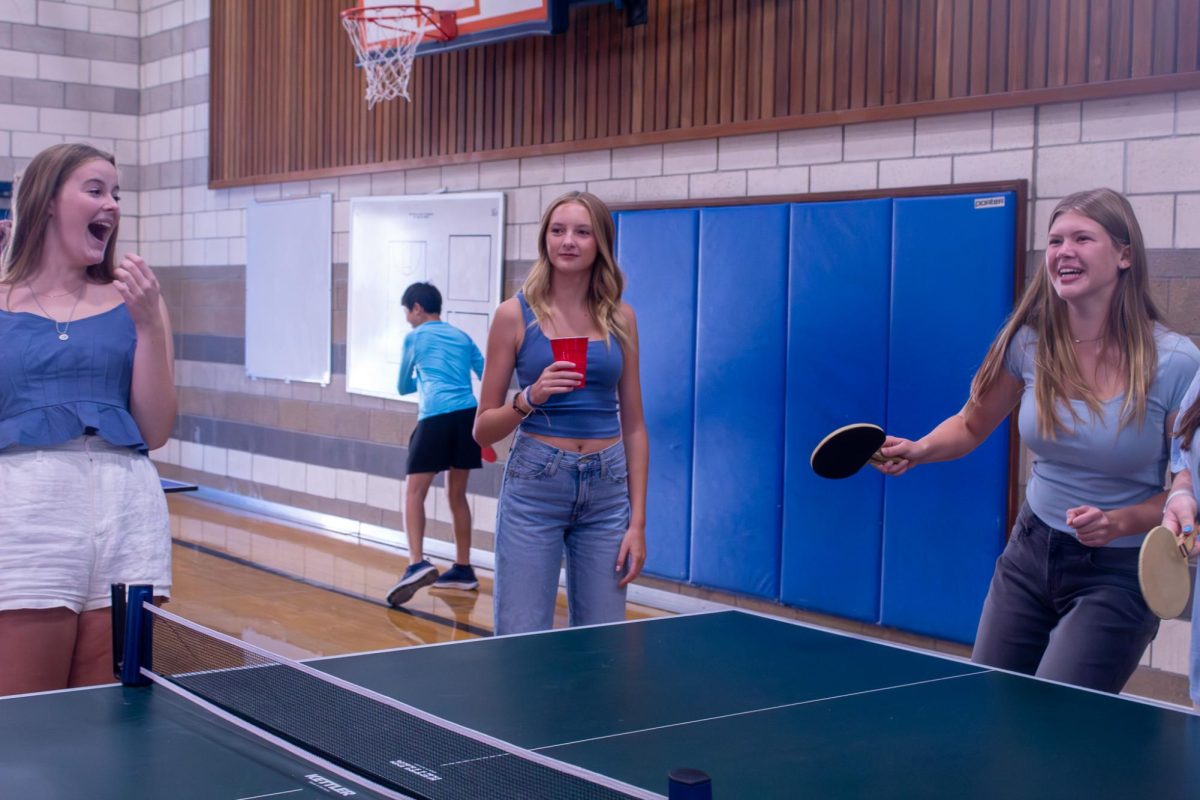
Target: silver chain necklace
[(60, 327)]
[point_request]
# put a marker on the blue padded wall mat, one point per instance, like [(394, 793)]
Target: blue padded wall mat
[(737, 486), (658, 252), (836, 375), (952, 287)]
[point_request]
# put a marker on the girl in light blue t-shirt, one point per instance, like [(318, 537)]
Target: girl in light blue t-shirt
[(1098, 382)]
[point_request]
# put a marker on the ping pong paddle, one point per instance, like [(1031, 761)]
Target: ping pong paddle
[(847, 450), (1163, 572), (488, 454)]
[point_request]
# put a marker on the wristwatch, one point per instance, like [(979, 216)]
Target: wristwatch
[(517, 408)]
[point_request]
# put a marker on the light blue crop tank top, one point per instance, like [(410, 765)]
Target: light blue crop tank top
[(52, 391), (586, 413)]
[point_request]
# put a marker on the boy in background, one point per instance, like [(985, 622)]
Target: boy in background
[(438, 362)]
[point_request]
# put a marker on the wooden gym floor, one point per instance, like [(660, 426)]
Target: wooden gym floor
[(302, 593)]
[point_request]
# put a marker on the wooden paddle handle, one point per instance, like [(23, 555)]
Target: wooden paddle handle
[(1185, 543)]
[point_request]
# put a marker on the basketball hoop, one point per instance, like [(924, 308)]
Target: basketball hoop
[(385, 39)]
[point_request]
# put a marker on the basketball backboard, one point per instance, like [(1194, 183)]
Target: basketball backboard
[(486, 21)]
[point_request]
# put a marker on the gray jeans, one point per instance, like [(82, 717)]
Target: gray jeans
[(1062, 610)]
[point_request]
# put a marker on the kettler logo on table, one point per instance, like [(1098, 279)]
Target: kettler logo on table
[(416, 769), (321, 782)]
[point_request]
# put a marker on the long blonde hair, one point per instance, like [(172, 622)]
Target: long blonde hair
[(607, 281), (40, 185), (1130, 324)]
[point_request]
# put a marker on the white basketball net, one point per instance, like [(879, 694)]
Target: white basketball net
[(385, 40)]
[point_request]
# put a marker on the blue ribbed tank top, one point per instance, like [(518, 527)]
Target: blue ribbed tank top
[(52, 391), (587, 413)]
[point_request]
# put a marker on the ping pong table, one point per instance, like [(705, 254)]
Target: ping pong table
[(768, 708)]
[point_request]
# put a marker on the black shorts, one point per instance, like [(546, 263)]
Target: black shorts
[(443, 442)]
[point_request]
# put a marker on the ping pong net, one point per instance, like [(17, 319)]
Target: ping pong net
[(386, 746)]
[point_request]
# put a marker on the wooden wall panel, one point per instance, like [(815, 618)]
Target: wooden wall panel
[(287, 101)]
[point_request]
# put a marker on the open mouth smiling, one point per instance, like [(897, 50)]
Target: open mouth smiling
[(100, 230)]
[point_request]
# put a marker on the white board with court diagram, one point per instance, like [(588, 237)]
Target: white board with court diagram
[(454, 241)]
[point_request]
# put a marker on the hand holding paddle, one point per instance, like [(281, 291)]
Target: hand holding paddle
[(898, 456), (1163, 572), (1180, 514), (848, 449)]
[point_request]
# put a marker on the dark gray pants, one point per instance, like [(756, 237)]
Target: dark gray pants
[(1062, 610)]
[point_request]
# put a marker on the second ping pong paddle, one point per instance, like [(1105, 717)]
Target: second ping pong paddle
[(488, 454), (1163, 572), (847, 450)]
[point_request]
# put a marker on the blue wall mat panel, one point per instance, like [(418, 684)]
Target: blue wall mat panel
[(952, 285), (737, 484), (836, 375), (658, 252)]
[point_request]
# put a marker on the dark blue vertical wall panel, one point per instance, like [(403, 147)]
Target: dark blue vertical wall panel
[(952, 279), (657, 251), (836, 375), (737, 488)]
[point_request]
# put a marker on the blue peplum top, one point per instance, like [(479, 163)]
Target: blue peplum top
[(54, 390)]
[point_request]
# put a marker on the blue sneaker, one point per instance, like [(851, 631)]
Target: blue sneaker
[(417, 575), (460, 576)]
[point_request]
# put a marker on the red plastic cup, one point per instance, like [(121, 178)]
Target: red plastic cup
[(573, 349)]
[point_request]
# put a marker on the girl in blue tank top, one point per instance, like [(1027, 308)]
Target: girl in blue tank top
[(575, 481), (86, 389), (1098, 381)]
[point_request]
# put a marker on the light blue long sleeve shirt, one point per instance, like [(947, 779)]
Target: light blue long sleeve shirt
[(438, 362)]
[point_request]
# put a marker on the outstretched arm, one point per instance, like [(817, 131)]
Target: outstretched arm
[(957, 435)]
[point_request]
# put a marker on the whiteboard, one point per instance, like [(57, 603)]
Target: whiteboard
[(289, 296), (454, 241)]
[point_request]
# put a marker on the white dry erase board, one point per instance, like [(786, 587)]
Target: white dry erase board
[(454, 241), (289, 258)]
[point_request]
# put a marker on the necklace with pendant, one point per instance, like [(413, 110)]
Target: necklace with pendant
[(60, 327)]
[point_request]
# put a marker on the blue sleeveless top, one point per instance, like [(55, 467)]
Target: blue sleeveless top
[(587, 413), (53, 391)]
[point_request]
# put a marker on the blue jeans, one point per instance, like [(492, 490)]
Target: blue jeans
[(1062, 610), (552, 502)]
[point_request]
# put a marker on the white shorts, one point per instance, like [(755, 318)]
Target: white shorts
[(76, 518)]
